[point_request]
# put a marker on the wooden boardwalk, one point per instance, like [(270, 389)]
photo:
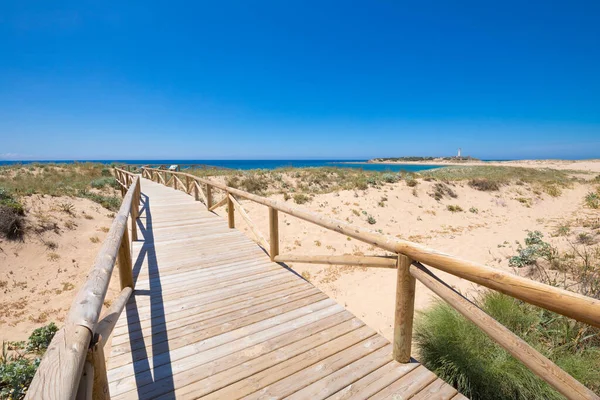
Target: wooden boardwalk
[(212, 317)]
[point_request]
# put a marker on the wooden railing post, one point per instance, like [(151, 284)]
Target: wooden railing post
[(196, 193), (125, 267), (209, 201), (174, 181), (100, 386), (405, 304), (273, 233), (230, 212), (135, 202), (187, 184)]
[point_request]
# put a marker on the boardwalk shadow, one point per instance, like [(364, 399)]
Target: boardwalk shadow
[(150, 379)]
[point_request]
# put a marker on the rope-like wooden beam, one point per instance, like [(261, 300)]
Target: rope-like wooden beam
[(259, 236), (362, 261), (108, 321), (201, 192), (221, 202)]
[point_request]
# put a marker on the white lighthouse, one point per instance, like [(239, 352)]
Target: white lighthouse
[(458, 156)]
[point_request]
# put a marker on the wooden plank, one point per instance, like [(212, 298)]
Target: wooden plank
[(207, 310), (238, 366), (408, 385), (374, 382), (294, 382), (290, 366), (209, 319), (211, 349), (184, 335), (345, 376), (438, 390)]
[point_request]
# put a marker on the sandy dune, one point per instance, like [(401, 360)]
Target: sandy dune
[(40, 276)]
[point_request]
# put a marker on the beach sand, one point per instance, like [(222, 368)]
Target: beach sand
[(592, 165), (40, 275)]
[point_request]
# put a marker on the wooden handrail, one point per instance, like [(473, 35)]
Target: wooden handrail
[(59, 373), (570, 304), (364, 261)]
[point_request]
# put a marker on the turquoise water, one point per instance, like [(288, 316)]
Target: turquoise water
[(257, 164)]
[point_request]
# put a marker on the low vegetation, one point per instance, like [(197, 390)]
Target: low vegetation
[(481, 369), (87, 180), (489, 176), (11, 216), (20, 360), (592, 199)]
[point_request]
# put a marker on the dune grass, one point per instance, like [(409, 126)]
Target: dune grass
[(461, 354), (78, 180), (331, 179)]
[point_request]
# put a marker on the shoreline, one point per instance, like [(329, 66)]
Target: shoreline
[(589, 165)]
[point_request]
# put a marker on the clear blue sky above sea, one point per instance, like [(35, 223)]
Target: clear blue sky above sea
[(299, 80)]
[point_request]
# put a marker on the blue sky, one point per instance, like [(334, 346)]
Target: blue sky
[(299, 79)]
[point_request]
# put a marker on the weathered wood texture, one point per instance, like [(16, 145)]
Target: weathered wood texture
[(365, 261), (213, 317), (403, 316)]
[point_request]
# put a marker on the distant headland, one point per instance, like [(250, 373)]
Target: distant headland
[(452, 159)]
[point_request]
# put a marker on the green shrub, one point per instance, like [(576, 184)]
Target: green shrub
[(111, 203), (461, 354), (454, 208), (484, 184), (534, 248), (371, 220), (440, 190), (17, 369), (592, 200), (103, 182), (41, 337), (390, 178), (551, 189), (411, 182), (12, 225), (16, 373), (301, 198), (474, 210), (254, 184), (9, 201)]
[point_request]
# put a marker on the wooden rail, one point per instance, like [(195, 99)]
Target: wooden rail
[(409, 263), (77, 349)]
